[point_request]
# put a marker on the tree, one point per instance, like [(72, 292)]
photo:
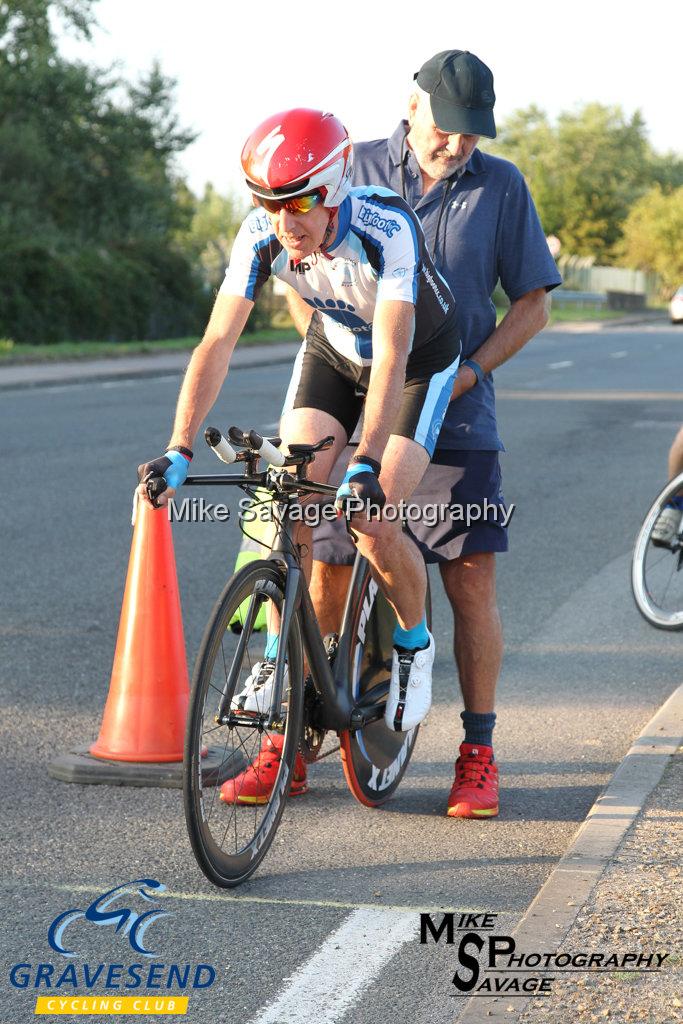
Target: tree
[(653, 234), (530, 142), (88, 191), (215, 222), (585, 172)]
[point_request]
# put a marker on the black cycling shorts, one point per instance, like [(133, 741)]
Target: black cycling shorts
[(323, 379)]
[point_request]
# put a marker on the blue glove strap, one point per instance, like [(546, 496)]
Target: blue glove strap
[(176, 474), (357, 467)]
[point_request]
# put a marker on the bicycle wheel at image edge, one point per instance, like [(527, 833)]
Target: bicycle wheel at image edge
[(231, 836), (656, 571), (374, 758)]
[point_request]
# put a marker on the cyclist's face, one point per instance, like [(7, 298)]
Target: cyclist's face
[(300, 233), (438, 153)]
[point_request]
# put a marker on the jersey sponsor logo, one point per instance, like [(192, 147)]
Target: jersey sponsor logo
[(435, 288), (459, 204), (371, 218), (259, 224), (400, 272), (345, 272), (342, 312)]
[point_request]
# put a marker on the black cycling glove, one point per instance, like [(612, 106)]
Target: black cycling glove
[(361, 484), (169, 470)]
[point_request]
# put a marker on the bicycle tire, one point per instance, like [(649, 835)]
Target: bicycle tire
[(374, 758), (230, 839), (654, 569)]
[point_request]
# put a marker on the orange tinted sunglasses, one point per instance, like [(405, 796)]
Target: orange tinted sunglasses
[(295, 205)]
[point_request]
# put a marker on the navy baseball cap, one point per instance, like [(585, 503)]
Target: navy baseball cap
[(460, 88)]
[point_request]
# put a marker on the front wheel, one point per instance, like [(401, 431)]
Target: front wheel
[(231, 815), (657, 566), (374, 758)]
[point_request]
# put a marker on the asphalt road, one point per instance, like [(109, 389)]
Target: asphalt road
[(582, 675)]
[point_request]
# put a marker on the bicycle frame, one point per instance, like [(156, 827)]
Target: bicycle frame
[(337, 711)]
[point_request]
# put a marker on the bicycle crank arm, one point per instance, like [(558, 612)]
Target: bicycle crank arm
[(363, 715)]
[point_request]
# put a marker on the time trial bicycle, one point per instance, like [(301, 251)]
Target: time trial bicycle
[(343, 690)]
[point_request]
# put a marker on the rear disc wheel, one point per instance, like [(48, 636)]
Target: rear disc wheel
[(375, 757)]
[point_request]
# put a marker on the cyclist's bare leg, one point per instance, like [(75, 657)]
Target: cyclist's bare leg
[(308, 426), (328, 588), (395, 559)]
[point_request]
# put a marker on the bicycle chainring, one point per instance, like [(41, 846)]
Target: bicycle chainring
[(312, 737)]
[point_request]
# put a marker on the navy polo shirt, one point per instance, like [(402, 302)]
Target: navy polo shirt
[(488, 229)]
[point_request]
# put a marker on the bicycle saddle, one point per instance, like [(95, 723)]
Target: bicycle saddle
[(309, 449)]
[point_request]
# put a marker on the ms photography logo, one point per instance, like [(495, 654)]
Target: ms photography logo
[(493, 967), (125, 909)]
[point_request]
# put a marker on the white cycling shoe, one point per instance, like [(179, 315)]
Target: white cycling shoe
[(410, 691), (257, 694), (667, 527)]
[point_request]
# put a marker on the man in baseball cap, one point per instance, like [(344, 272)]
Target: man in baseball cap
[(481, 225)]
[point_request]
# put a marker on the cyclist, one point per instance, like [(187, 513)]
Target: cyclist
[(383, 335), (668, 524)]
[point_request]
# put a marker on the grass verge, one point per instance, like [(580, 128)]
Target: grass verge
[(68, 350)]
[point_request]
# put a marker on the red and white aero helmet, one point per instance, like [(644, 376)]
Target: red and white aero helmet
[(299, 151)]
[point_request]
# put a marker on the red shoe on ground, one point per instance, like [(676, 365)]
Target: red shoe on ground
[(475, 791), (255, 784)]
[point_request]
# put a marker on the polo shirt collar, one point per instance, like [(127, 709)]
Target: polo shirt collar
[(397, 146)]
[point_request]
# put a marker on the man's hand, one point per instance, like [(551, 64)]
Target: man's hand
[(160, 478), (465, 380), (361, 484)]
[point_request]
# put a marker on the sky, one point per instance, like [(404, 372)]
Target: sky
[(237, 62)]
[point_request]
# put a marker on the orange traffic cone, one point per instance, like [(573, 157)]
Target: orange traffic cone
[(144, 718)]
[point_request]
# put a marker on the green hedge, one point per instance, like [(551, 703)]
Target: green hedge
[(139, 291)]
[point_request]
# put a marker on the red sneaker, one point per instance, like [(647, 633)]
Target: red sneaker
[(475, 791), (255, 784)]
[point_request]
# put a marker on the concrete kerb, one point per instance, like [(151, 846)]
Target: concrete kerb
[(559, 902)]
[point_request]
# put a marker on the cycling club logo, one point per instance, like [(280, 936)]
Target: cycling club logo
[(104, 911)]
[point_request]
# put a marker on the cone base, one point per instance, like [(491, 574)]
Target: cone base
[(81, 767), (104, 754)]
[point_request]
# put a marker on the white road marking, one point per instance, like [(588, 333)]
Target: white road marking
[(344, 966), (563, 364), (618, 355)]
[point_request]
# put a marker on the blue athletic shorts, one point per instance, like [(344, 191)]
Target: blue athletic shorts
[(464, 483)]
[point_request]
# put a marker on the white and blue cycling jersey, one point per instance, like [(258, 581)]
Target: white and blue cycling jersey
[(378, 253)]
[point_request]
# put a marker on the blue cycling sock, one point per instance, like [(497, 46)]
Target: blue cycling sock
[(271, 646), (412, 639), (479, 727), (676, 502)]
